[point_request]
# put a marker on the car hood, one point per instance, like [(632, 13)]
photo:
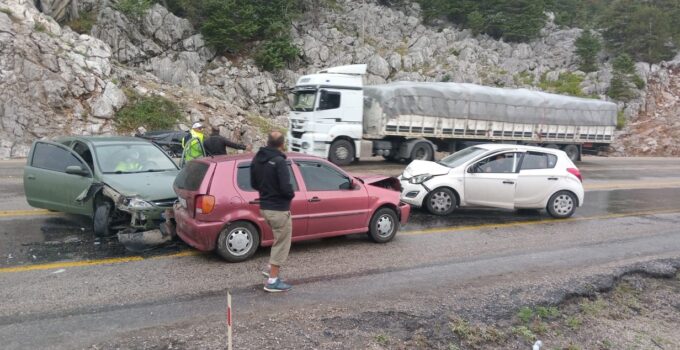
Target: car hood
[(148, 186), (370, 178), (420, 167)]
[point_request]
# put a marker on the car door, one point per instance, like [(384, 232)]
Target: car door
[(48, 185), (491, 181), (337, 203), (298, 206), (537, 180)]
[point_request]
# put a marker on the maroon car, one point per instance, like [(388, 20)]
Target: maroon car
[(217, 208)]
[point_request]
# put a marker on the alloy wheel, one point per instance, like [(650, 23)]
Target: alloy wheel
[(441, 201), (563, 204)]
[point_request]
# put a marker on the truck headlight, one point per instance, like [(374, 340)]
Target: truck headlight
[(418, 179), (136, 203)]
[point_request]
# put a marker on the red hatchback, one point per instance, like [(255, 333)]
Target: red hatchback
[(217, 209)]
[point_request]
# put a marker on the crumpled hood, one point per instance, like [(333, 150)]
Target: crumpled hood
[(420, 167), (148, 186), (371, 178)]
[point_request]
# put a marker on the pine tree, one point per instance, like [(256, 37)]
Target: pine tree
[(587, 48)]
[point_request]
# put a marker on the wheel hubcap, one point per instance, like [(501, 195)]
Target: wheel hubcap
[(441, 202), (342, 153), (563, 204), (239, 241), (385, 226)]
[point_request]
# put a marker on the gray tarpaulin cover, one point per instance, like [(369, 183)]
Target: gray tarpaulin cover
[(453, 100)]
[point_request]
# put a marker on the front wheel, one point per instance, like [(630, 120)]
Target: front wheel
[(442, 201), (341, 153), (562, 205), (238, 241), (101, 222), (384, 225)]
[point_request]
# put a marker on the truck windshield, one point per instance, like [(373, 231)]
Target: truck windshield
[(461, 156), (304, 100)]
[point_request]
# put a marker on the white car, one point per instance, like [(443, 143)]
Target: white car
[(495, 175)]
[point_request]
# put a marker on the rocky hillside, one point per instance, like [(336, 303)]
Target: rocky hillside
[(55, 81)]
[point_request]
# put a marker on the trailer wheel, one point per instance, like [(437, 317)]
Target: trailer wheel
[(572, 152), (341, 152), (422, 151), (552, 146)]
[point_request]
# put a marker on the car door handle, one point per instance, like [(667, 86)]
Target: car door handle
[(315, 199), (553, 179), (30, 177), (256, 201), (508, 182)]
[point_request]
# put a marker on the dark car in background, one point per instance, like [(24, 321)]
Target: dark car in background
[(218, 210), (169, 140)]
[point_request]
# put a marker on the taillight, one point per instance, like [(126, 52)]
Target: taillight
[(205, 204), (575, 172)]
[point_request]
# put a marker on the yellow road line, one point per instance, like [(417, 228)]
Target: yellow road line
[(110, 261), (537, 222), (629, 185), (30, 212)]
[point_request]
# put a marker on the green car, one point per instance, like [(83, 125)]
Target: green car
[(120, 182)]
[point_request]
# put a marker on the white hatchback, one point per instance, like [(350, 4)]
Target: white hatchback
[(495, 175)]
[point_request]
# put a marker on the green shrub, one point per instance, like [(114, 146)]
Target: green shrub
[(274, 54), (134, 8), (566, 84), (151, 112), (620, 120), (84, 23)]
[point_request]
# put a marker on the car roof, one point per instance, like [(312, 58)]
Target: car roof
[(249, 156), (503, 147), (105, 140)]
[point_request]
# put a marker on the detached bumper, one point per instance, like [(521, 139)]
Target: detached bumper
[(404, 212), (413, 194), (198, 234)]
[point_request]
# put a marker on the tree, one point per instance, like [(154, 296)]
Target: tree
[(624, 79), (587, 48)]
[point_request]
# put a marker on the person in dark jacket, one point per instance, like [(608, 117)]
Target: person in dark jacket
[(216, 144), (270, 177)]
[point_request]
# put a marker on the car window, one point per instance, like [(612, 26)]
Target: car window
[(132, 158), (243, 178), (52, 157), (462, 156), (321, 177), (84, 152), (191, 176), (497, 164), (537, 160), (329, 100)]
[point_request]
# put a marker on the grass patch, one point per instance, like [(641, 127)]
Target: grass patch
[(382, 339), (151, 112), (592, 307), (574, 323), (475, 336), (523, 78), (620, 120), (39, 27), (84, 23), (265, 125), (525, 333), (566, 84), (134, 8)]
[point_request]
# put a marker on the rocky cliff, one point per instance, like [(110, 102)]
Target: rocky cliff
[(55, 81)]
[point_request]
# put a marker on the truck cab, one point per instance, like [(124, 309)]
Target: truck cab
[(326, 117)]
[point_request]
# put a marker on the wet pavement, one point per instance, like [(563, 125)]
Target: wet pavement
[(56, 237)]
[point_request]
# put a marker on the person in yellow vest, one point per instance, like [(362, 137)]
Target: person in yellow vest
[(130, 163), (193, 143)]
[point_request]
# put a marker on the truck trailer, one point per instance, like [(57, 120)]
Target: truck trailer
[(335, 116)]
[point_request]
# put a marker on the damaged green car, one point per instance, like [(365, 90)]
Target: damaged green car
[(122, 183)]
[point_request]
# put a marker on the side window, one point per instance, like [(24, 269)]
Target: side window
[(243, 178), (320, 177), (536, 160), (329, 100), (84, 152), (497, 164), (51, 157)]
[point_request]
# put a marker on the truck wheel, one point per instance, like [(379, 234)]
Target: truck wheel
[(101, 222), (341, 153), (572, 152), (422, 151)]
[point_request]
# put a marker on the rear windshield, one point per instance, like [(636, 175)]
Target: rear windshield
[(191, 177)]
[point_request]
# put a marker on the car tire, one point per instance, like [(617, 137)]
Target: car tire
[(422, 151), (441, 201), (572, 152), (384, 225), (238, 241), (562, 205), (101, 221), (341, 153)]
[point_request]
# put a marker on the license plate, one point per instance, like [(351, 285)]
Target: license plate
[(183, 202)]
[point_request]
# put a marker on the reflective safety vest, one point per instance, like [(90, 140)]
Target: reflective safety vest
[(194, 147), (126, 166)]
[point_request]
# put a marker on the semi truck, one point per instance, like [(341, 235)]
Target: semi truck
[(335, 116)]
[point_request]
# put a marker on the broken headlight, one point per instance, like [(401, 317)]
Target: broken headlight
[(418, 179), (135, 203)]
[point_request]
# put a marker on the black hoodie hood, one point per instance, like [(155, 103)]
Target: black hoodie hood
[(265, 154)]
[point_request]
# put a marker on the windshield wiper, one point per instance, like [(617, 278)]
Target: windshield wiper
[(155, 170)]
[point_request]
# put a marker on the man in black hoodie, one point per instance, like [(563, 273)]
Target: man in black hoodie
[(270, 177)]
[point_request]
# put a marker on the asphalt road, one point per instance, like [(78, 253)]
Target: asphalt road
[(61, 288)]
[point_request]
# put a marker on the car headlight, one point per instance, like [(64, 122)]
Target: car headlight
[(418, 179), (135, 203)]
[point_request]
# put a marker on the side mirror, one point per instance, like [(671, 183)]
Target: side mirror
[(77, 170), (347, 185)]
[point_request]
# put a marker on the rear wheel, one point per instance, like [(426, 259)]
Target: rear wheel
[(384, 225), (101, 221), (238, 241), (562, 205), (422, 151), (572, 152), (341, 152), (441, 201)]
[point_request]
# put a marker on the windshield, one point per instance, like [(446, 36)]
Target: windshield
[(462, 156), (303, 100), (132, 158)]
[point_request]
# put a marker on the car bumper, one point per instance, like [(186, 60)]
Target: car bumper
[(404, 212), (198, 234), (413, 194), (310, 143)]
